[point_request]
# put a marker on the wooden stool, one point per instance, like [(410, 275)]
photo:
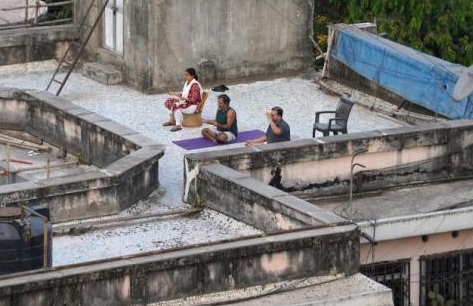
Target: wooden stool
[(195, 119)]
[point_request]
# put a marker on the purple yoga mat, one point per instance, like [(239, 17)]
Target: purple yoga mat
[(199, 143)]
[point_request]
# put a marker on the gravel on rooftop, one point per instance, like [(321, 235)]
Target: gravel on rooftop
[(299, 97)]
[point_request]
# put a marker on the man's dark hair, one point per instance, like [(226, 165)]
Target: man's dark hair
[(278, 110), (225, 99)]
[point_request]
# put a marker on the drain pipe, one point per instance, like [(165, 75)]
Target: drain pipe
[(8, 160), (352, 166)]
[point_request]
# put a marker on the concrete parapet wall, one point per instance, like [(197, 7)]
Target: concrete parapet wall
[(96, 139), (33, 44), (128, 162), (403, 155), (142, 280), (241, 182), (253, 202)]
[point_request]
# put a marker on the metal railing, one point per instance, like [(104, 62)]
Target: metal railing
[(38, 13)]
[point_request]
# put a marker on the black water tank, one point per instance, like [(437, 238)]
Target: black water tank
[(25, 239)]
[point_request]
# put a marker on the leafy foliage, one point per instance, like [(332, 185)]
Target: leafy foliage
[(326, 13), (438, 27), (436, 299), (58, 12)]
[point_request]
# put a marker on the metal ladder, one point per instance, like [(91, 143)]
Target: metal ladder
[(69, 65)]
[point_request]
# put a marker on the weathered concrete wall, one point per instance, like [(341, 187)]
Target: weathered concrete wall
[(223, 39), (142, 280), (94, 47), (395, 156), (235, 181), (33, 44), (129, 162), (95, 139), (251, 201)]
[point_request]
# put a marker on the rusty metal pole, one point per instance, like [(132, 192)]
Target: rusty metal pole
[(36, 11), (48, 169), (352, 166), (27, 2), (8, 159)]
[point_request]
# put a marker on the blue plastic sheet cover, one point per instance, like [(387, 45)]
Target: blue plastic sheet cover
[(417, 77)]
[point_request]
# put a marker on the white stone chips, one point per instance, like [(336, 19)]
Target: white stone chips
[(299, 98)]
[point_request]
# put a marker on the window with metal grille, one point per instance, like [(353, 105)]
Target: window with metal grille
[(394, 275), (447, 276)]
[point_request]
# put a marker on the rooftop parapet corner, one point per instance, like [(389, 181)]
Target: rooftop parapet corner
[(125, 160)]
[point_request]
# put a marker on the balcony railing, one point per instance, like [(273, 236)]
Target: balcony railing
[(35, 13)]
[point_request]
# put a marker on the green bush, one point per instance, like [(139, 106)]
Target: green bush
[(58, 12), (437, 27)]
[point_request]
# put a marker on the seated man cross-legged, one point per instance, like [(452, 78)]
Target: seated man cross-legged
[(225, 123)]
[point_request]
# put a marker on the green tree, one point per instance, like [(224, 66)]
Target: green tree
[(58, 12), (326, 12), (443, 28)]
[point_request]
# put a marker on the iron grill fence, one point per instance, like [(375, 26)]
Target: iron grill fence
[(394, 275), (37, 13), (447, 278)]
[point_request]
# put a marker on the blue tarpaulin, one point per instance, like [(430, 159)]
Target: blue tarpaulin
[(417, 77)]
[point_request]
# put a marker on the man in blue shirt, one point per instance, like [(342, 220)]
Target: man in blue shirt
[(278, 130)]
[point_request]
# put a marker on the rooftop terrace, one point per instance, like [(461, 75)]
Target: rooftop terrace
[(298, 96), (163, 222)]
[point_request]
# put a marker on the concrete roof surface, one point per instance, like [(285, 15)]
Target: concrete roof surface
[(298, 96), (26, 155), (416, 199), (324, 290)]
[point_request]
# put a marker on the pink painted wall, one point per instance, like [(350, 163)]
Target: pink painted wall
[(414, 248)]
